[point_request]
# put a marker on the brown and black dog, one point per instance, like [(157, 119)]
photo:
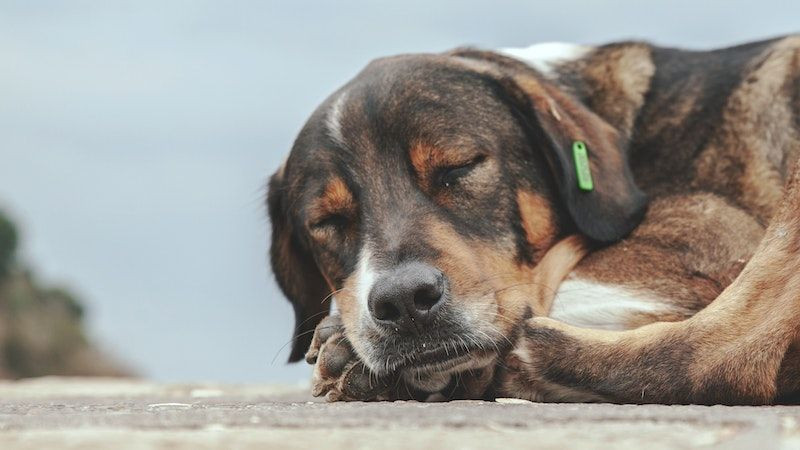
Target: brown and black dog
[(435, 200)]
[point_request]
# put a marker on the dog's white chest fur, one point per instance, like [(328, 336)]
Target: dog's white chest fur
[(589, 304)]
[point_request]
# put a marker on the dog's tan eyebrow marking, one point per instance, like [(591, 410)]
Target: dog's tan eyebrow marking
[(420, 155), (336, 198)]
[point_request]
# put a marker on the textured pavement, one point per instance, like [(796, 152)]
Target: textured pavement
[(99, 414)]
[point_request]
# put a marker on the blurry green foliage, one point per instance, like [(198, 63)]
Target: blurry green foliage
[(8, 244), (41, 327)]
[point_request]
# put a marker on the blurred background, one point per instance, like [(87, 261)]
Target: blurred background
[(136, 138)]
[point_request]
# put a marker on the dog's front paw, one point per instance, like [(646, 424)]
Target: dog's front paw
[(547, 359), (338, 372)]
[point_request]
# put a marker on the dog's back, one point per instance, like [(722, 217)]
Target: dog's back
[(713, 136)]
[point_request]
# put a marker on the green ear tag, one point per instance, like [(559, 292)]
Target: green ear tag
[(581, 156)]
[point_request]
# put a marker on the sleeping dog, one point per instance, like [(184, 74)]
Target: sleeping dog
[(556, 223)]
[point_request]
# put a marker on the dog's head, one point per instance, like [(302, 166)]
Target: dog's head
[(424, 194)]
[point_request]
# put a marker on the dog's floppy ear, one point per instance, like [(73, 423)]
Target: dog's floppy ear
[(615, 205), (295, 270), (554, 120)]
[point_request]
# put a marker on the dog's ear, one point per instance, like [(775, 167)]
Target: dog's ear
[(295, 270), (554, 120), (614, 205)]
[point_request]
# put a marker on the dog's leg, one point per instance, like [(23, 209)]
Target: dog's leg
[(735, 351)]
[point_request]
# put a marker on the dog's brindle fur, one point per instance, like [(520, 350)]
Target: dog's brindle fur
[(461, 160)]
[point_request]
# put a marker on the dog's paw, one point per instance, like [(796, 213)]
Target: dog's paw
[(339, 374)]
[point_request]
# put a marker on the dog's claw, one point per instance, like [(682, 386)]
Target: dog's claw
[(311, 357)]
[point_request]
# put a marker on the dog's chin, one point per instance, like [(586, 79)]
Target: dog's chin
[(430, 367), (433, 363), (435, 377)]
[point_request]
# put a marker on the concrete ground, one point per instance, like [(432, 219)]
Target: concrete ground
[(90, 414)]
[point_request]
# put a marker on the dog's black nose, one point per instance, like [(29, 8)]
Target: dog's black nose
[(408, 297)]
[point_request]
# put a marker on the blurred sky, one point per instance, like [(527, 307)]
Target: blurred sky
[(136, 137)]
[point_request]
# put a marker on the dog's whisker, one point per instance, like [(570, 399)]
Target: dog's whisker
[(298, 336), (312, 317), (337, 291)]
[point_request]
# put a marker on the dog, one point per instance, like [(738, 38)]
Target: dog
[(554, 223)]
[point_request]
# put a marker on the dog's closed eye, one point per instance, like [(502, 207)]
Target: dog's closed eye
[(333, 221), (450, 175)]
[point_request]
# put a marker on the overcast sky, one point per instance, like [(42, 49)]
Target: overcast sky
[(136, 137)]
